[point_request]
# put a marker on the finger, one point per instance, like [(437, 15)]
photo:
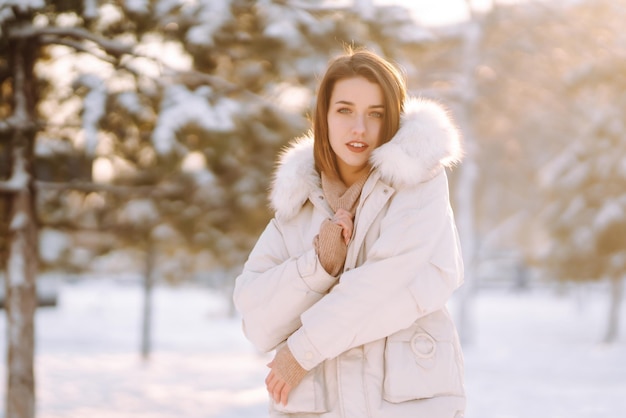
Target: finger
[(276, 392), (344, 222), (343, 212), (341, 222), (270, 381), (345, 231), (284, 394)]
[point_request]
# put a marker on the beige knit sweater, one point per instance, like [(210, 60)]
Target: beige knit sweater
[(329, 244), (331, 250)]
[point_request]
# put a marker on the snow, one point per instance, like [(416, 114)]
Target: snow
[(181, 107), (90, 9), (23, 5), (19, 221), (284, 31), (282, 23), (94, 106), (129, 100), (535, 354), (16, 262), (20, 177), (611, 212), (396, 23), (163, 7), (211, 15), (195, 165), (137, 6), (50, 147), (139, 212), (52, 244)]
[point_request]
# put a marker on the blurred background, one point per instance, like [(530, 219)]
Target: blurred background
[(137, 142)]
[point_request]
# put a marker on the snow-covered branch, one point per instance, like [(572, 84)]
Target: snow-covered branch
[(12, 124), (112, 47), (163, 190), (78, 46), (319, 7)]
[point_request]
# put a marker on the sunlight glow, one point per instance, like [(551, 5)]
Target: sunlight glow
[(194, 162), (443, 12), (102, 170)]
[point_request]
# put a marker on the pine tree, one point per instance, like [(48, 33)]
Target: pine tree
[(585, 183), (153, 124)]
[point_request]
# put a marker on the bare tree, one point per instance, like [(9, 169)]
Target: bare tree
[(18, 131)]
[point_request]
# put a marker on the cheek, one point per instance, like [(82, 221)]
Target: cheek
[(375, 128), (336, 128), (335, 123), (334, 138)]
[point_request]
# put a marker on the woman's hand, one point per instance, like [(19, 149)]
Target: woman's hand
[(276, 386), (344, 219)]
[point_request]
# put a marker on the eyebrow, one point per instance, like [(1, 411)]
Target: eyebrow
[(345, 102)]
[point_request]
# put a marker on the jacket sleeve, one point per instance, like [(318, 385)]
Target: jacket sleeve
[(411, 271), (275, 288)]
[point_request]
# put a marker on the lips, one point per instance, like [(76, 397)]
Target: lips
[(357, 146)]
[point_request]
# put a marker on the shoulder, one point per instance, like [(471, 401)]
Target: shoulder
[(414, 197), (427, 141), (294, 178)]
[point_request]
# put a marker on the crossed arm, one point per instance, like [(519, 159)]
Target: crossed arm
[(411, 271)]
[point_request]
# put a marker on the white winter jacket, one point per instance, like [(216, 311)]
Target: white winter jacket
[(378, 341)]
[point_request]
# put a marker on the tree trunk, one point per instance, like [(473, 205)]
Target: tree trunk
[(21, 296), (466, 186), (146, 329), (617, 294), (20, 307)]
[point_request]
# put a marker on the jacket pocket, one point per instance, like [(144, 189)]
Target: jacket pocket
[(308, 397), (421, 365)]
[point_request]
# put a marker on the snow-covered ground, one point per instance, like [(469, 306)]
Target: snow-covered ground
[(534, 354)]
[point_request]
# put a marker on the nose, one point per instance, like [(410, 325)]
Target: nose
[(359, 126)]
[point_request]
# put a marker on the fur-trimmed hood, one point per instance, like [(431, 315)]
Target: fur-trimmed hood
[(426, 141)]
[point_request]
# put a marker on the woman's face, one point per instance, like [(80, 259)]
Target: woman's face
[(355, 118)]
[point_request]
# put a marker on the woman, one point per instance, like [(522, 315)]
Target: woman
[(349, 281)]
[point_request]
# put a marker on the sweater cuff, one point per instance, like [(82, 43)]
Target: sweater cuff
[(303, 350), (288, 368), (331, 248)]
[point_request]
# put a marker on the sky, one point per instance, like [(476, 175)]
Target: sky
[(444, 12), (434, 12)]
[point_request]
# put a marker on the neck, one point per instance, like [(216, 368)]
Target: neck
[(350, 176)]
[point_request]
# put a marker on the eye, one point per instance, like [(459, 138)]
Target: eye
[(377, 115), (344, 110)]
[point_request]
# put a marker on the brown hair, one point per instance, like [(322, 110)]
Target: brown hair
[(359, 63)]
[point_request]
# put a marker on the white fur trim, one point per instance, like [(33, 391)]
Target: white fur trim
[(295, 177), (426, 141)]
